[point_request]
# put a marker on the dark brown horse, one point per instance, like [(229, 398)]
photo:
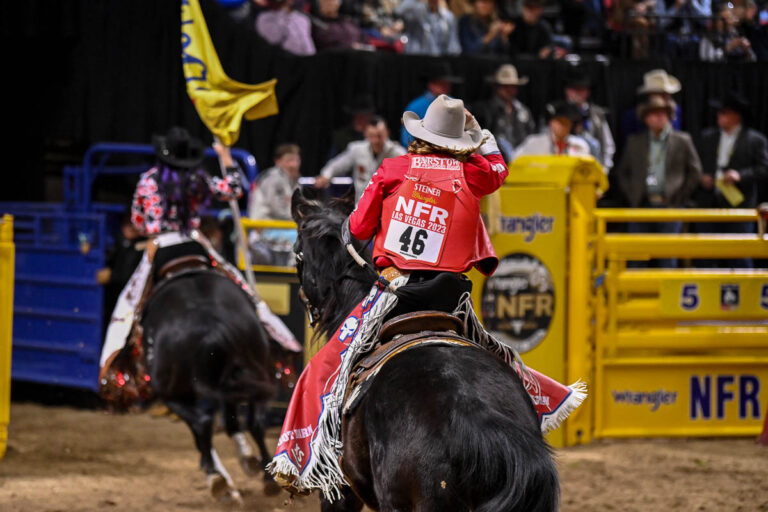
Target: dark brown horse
[(445, 428)]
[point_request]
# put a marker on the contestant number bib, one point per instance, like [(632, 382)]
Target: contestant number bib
[(419, 222)]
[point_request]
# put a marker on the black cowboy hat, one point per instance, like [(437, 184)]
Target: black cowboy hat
[(178, 148), (441, 71), (732, 101), (576, 76), (563, 109), (360, 104)]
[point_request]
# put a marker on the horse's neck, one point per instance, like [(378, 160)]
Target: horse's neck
[(348, 295)]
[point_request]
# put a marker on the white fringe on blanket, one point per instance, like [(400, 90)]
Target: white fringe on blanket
[(323, 471), (477, 333)]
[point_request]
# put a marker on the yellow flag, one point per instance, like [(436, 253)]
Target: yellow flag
[(220, 101)]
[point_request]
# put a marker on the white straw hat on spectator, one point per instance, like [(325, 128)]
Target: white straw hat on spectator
[(659, 81), (507, 75), (443, 125)]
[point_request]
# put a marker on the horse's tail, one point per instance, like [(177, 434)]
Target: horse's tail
[(227, 368), (512, 460)]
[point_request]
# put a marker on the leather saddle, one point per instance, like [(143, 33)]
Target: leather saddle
[(398, 335), (182, 264)]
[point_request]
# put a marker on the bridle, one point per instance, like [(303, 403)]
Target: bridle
[(313, 312)]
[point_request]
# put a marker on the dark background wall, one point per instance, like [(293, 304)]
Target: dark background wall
[(79, 72)]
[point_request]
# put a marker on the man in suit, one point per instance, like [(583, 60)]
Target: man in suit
[(735, 160), (660, 168)]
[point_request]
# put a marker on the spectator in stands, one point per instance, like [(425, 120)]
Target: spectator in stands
[(483, 32), (655, 83), (532, 35), (755, 27), (362, 158), (726, 42), (636, 17), (460, 8), (581, 17), (682, 21), (383, 27), (360, 111), (734, 159), (430, 27), (659, 168), (504, 115), (561, 118), (270, 198), (440, 80), (290, 29), (595, 119), (331, 30)]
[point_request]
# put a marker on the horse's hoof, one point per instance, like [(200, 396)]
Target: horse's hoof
[(236, 498), (271, 488), (251, 465), (218, 486)]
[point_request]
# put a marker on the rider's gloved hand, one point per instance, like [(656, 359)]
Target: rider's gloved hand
[(489, 146)]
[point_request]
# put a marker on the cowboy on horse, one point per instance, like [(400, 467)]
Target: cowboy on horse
[(165, 209), (424, 210)]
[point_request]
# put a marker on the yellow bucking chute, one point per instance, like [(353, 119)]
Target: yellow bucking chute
[(220, 101)]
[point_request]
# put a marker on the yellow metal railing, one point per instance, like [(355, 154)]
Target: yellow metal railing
[(6, 318), (657, 325)]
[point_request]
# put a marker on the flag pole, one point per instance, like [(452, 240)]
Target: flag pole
[(242, 246)]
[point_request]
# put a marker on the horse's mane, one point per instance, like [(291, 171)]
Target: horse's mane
[(340, 282)]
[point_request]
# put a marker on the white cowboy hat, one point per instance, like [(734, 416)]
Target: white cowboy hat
[(443, 125), (659, 81), (507, 75)]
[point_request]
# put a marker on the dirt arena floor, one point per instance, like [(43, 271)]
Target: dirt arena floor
[(67, 459)]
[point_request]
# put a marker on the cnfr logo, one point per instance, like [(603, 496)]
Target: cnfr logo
[(518, 301)]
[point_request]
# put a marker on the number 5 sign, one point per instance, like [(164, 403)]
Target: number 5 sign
[(736, 295)]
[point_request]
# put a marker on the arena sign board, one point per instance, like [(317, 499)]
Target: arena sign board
[(684, 396), (519, 301), (523, 303)]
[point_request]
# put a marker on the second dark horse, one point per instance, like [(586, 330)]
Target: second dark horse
[(441, 429), (207, 351)]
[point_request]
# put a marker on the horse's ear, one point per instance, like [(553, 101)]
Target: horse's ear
[(346, 202), (300, 207)]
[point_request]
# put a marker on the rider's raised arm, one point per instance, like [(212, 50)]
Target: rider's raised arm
[(486, 170), (228, 187)]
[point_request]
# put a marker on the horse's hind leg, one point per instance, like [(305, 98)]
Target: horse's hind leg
[(255, 421), (248, 461), (199, 418)]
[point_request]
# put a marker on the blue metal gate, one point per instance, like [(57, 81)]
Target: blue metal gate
[(57, 310)]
